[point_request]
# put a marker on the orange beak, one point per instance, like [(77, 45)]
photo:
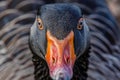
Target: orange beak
[(60, 56)]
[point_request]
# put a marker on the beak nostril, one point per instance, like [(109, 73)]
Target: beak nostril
[(53, 60), (68, 60)]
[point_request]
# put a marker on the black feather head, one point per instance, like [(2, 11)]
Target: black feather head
[(59, 19)]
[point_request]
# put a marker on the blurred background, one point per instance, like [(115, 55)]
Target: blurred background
[(114, 6)]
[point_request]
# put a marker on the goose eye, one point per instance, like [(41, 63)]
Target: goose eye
[(39, 24), (80, 24)]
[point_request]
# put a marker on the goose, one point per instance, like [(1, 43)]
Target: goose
[(100, 57)]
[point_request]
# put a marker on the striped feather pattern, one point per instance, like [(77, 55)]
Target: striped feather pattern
[(16, 18)]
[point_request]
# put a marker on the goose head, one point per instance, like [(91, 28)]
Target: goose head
[(59, 35)]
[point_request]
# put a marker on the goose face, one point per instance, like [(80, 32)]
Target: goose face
[(59, 35)]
